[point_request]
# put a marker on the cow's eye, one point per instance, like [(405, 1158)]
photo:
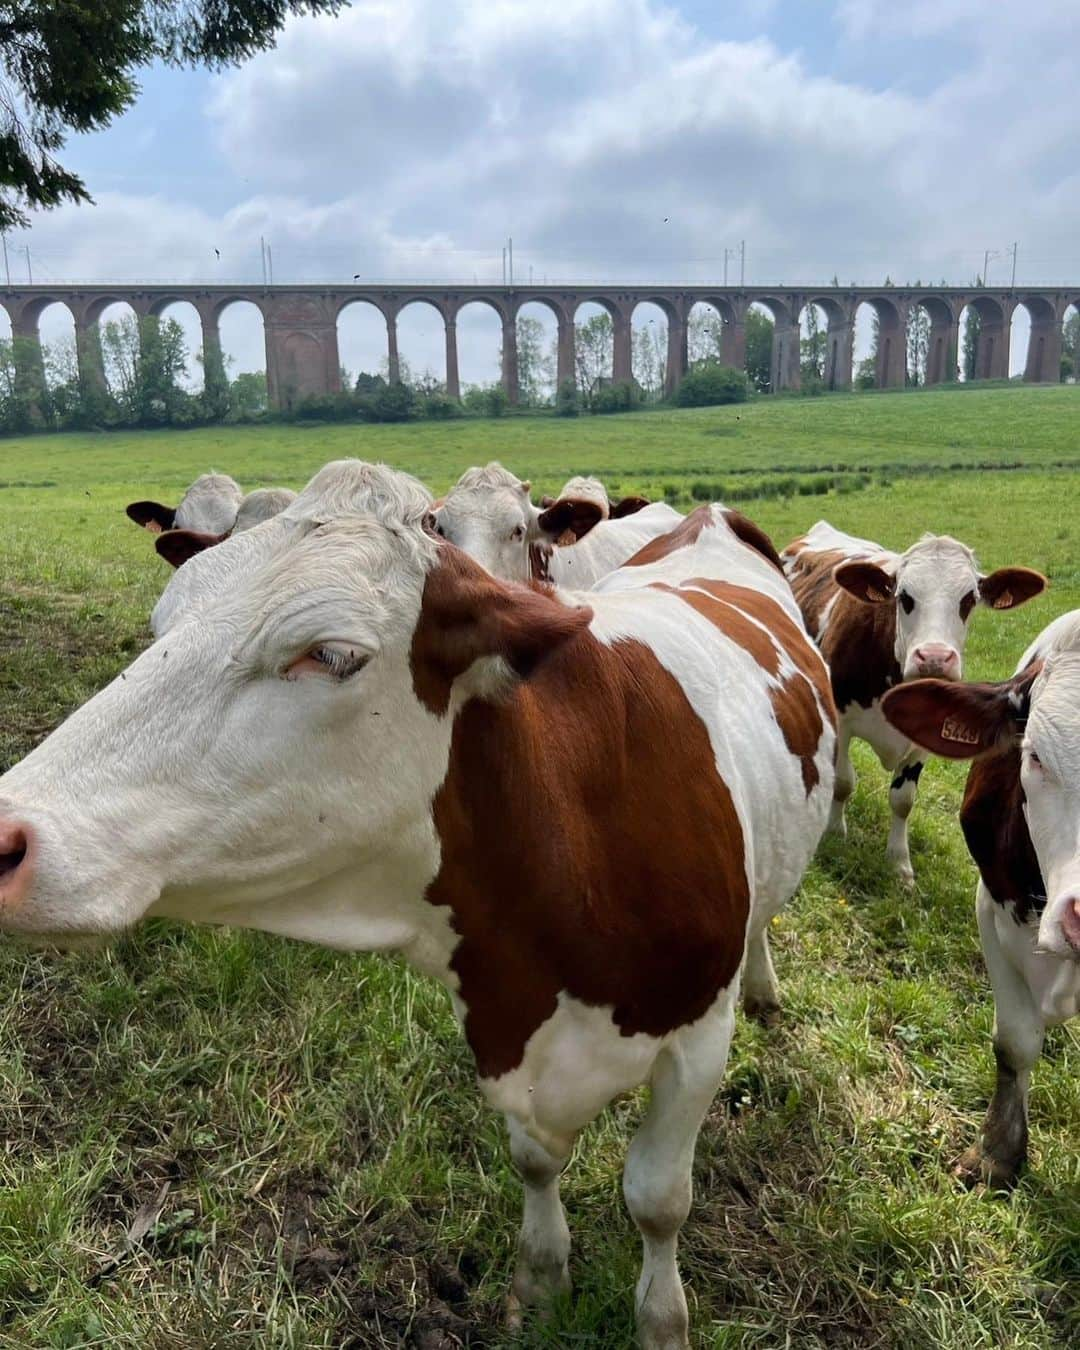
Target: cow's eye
[(337, 662), (908, 601), (518, 532), (967, 604), (1034, 760)]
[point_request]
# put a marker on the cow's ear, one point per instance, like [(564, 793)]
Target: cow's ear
[(152, 516), (488, 631), (570, 519), (177, 546), (961, 721), (1011, 586), (866, 581), (628, 506), (754, 536)]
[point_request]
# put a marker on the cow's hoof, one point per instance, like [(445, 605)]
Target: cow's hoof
[(976, 1168), (764, 1012)]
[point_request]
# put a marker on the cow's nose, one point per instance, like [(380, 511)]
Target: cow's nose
[(16, 855), (1070, 922), (938, 659)]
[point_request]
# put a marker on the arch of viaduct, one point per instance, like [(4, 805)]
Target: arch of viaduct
[(300, 326)]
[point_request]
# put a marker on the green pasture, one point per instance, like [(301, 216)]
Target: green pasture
[(333, 1177)]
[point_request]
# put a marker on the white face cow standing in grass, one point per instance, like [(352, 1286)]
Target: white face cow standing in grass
[(576, 818), (881, 618), (1021, 821), (573, 541)]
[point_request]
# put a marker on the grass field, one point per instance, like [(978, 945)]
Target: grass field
[(334, 1179)]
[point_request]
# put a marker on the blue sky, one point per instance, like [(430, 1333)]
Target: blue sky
[(408, 138)]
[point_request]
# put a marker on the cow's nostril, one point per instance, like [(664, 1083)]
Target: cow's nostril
[(13, 846)]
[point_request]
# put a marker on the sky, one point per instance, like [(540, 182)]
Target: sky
[(620, 140)]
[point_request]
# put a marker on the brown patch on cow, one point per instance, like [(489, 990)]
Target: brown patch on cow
[(997, 836), (627, 506), (684, 534), (754, 536), (540, 556), (467, 614), (600, 855), (570, 519), (859, 641), (761, 627)]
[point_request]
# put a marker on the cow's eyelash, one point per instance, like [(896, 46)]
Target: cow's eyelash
[(340, 664)]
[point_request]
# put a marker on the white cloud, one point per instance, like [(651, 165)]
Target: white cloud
[(408, 138)]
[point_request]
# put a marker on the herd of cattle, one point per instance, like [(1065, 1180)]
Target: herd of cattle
[(569, 759)]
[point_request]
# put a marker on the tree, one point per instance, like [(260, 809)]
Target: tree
[(918, 344), (970, 346), (710, 383), (536, 372), (759, 340), (1070, 347), (813, 349), (248, 395), (650, 358), (144, 364), (70, 65), (703, 335), (593, 346)]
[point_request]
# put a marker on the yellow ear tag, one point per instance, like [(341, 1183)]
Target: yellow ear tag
[(959, 732), (1004, 600)]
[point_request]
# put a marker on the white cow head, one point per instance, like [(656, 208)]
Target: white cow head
[(935, 586), (178, 546), (209, 505), (1037, 711), (489, 514), (272, 761)]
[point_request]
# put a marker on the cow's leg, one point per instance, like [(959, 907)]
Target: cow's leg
[(1001, 1149), (844, 784), (544, 1243), (761, 990), (902, 791), (657, 1179)]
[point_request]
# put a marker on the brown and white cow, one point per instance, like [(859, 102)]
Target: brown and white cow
[(572, 816), (573, 542), (1021, 821), (209, 506), (881, 618)]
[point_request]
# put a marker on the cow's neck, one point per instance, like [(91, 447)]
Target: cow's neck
[(997, 836)]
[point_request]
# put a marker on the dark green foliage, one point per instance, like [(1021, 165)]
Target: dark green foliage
[(710, 383), (71, 66), (567, 401), (970, 346), (615, 398)]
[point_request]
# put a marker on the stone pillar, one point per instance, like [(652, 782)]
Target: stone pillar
[(29, 363), (942, 350), (453, 379), (215, 377), (88, 353), (992, 359), (892, 348), (510, 358), (567, 358), (839, 351), (733, 343), (1044, 351), (622, 366), (786, 370), (678, 353), (301, 347), (393, 360)]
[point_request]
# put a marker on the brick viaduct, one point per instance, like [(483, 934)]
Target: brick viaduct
[(300, 325)]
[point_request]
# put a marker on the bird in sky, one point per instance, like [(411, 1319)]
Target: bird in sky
[(217, 253), (356, 276)]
